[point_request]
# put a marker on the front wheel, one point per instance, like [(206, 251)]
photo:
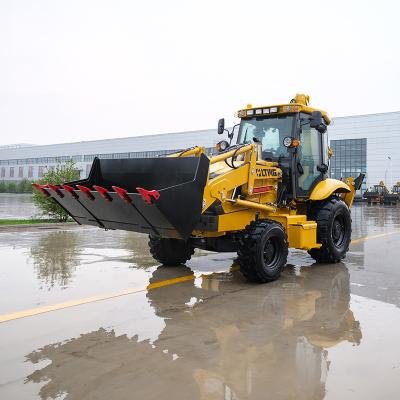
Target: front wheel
[(263, 250), (170, 251), (333, 231)]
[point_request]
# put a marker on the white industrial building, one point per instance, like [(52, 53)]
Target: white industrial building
[(361, 143), (367, 143), (29, 161)]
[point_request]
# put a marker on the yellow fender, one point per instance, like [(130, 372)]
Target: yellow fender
[(327, 187)]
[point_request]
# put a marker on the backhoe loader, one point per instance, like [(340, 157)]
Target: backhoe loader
[(376, 194), (393, 197), (259, 196)]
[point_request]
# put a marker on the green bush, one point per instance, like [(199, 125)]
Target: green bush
[(57, 176), (24, 186), (11, 187)]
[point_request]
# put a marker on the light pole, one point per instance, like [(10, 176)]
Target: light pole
[(388, 184), (390, 169)]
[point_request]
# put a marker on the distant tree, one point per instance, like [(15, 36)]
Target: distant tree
[(11, 187), (23, 186), (57, 176)]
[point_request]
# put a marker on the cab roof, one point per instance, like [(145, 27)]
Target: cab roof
[(300, 103)]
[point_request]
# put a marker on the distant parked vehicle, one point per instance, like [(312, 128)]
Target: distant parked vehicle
[(393, 197), (375, 194)]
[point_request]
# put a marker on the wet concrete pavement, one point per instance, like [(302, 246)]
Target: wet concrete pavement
[(123, 328)]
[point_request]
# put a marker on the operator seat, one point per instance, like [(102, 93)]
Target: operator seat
[(268, 155)]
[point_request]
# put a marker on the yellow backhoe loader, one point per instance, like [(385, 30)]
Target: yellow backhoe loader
[(259, 196), (376, 194), (393, 197)]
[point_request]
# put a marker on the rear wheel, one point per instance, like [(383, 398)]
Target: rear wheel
[(333, 231), (263, 250), (170, 251)]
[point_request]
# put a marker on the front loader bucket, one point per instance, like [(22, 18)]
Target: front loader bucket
[(112, 197)]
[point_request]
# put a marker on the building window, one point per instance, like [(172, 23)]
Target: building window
[(40, 173), (3, 172), (349, 159), (20, 172), (11, 172), (30, 172)]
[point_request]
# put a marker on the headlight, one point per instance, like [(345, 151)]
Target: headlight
[(287, 142), (222, 145), (291, 142)]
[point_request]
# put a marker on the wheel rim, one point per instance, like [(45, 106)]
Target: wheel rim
[(270, 252), (338, 231)]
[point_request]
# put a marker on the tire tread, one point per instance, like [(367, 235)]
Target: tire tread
[(247, 252), (321, 213), (170, 252)]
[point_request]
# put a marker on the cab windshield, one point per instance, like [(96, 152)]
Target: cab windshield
[(379, 189), (270, 132)]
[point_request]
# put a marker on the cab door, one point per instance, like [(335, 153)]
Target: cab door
[(309, 159)]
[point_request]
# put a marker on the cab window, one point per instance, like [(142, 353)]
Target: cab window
[(309, 156), (270, 132)]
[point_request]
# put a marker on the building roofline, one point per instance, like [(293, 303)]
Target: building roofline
[(37, 146), (366, 115), (111, 138)]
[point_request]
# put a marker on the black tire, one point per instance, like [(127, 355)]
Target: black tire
[(263, 251), (170, 251), (333, 231)]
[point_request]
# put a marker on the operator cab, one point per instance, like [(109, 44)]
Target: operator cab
[(296, 141), (380, 189)]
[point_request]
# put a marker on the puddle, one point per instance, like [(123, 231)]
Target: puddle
[(318, 332)]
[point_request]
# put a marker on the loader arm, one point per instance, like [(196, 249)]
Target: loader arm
[(191, 151), (354, 185), (246, 174), (221, 187)]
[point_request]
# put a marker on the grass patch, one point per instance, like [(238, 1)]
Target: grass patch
[(26, 221)]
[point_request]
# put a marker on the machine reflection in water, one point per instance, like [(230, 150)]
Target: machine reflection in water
[(222, 340), (137, 246)]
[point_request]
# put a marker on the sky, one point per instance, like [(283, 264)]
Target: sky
[(77, 70)]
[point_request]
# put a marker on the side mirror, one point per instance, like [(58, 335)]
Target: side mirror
[(221, 126), (317, 122)]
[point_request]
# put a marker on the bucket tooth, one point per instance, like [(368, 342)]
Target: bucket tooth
[(55, 189), (86, 191), (103, 192), (70, 190), (122, 193), (41, 189), (148, 196)]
